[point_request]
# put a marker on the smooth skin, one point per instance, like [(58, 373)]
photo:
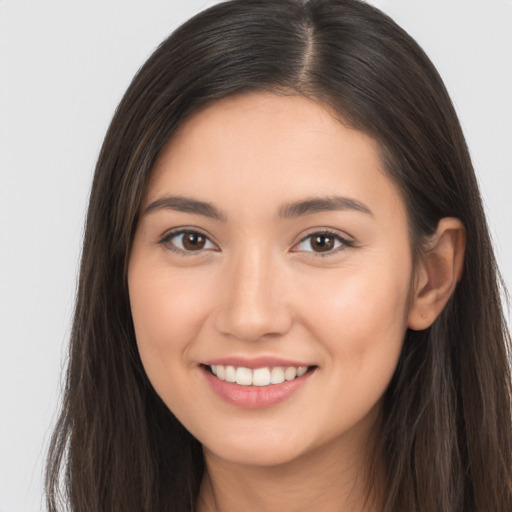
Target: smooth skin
[(334, 289)]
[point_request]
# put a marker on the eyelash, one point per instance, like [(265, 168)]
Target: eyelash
[(344, 242), (168, 237), (166, 241)]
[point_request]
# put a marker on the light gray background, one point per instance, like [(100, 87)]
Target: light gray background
[(63, 68)]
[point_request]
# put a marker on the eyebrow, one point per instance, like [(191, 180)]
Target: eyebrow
[(186, 205), (322, 204), (287, 211)]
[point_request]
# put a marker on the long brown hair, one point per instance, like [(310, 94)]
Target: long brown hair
[(447, 428)]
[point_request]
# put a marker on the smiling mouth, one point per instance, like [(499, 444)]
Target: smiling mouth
[(266, 376)]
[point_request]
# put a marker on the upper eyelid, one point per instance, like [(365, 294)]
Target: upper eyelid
[(340, 235), (170, 233), (346, 241), (327, 231)]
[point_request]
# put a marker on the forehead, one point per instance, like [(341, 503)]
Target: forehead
[(258, 149)]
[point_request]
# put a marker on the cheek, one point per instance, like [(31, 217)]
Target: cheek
[(167, 316), (369, 309), (168, 311), (360, 322), (360, 316)]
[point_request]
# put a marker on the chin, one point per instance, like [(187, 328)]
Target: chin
[(273, 449), (257, 455)]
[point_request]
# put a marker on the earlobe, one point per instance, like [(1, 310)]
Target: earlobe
[(439, 270)]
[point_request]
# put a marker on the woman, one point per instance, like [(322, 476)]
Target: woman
[(288, 297)]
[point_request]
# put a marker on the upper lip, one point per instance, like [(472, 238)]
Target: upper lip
[(255, 362)]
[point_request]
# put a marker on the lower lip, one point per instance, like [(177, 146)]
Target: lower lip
[(254, 397)]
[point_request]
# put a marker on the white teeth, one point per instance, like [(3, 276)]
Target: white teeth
[(290, 373), (259, 376), (230, 374), (243, 376), (277, 375), (221, 372)]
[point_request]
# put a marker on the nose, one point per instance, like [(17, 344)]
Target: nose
[(253, 301)]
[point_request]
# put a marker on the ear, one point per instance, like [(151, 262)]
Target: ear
[(437, 273)]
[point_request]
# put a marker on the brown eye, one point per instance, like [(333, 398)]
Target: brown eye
[(323, 243), (193, 241), (187, 241)]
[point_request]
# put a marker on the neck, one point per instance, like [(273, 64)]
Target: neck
[(337, 477)]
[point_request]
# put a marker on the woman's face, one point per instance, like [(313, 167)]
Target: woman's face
[(270, 242)]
